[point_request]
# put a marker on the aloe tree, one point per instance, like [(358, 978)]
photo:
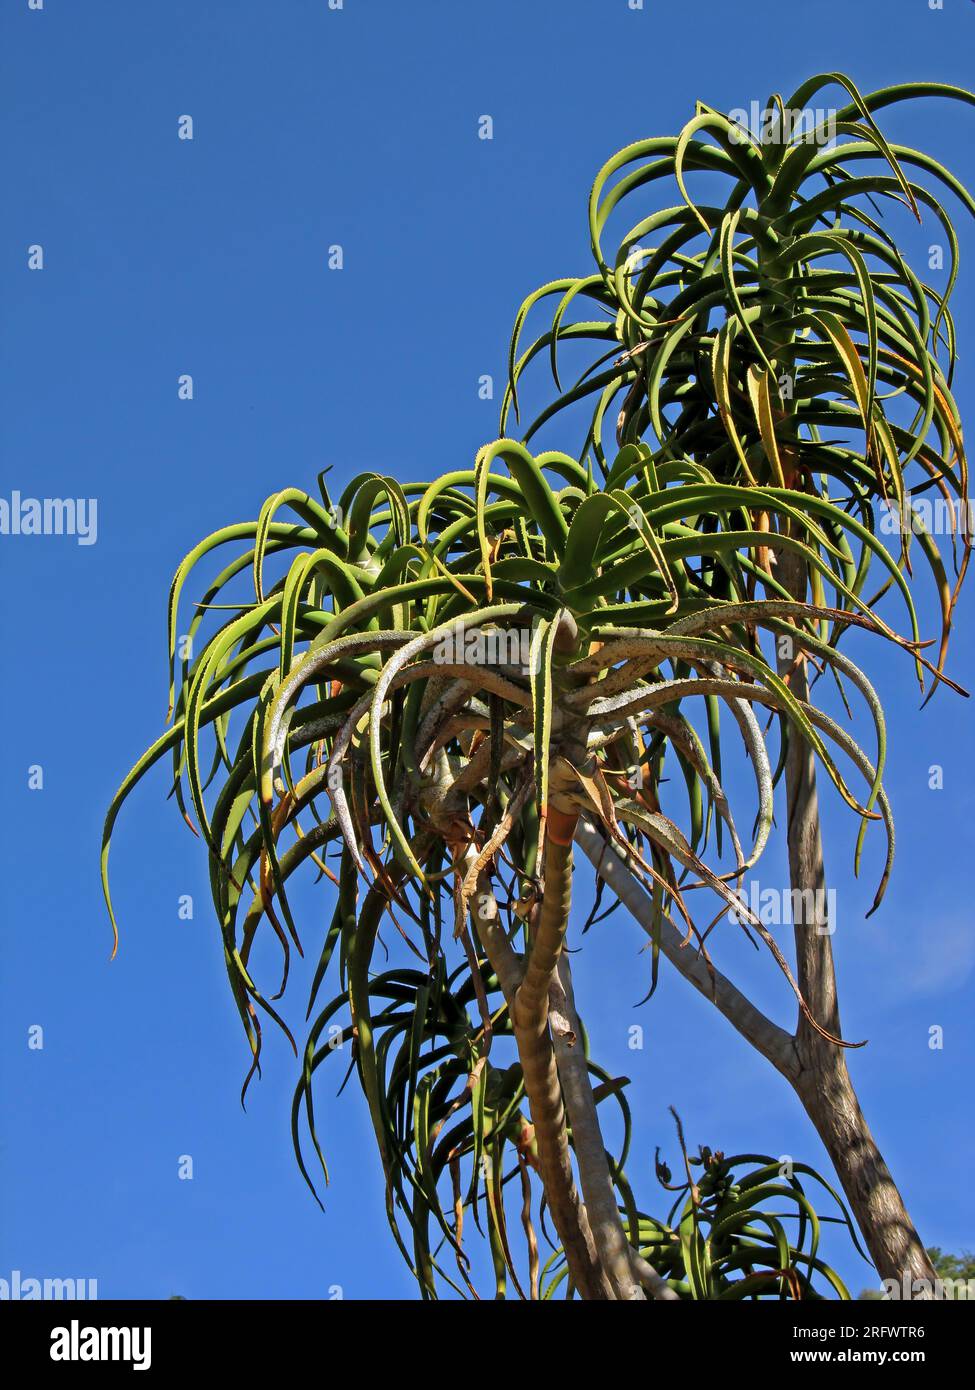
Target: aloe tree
[(449, 684), (769, 331), (436, 690)]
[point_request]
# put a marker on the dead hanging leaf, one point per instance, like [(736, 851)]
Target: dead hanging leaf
[(598, 794), (597, 797), (561, 1026), (764, 556)]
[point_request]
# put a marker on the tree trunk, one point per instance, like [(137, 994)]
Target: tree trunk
[(598, 1192), (824, 1087), (822, 1079), (526, 988)]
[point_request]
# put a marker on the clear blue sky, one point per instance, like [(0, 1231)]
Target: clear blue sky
[(164, 257)]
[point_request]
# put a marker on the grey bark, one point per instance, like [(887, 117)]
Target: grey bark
[(822, 1078), (598, 1192)]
